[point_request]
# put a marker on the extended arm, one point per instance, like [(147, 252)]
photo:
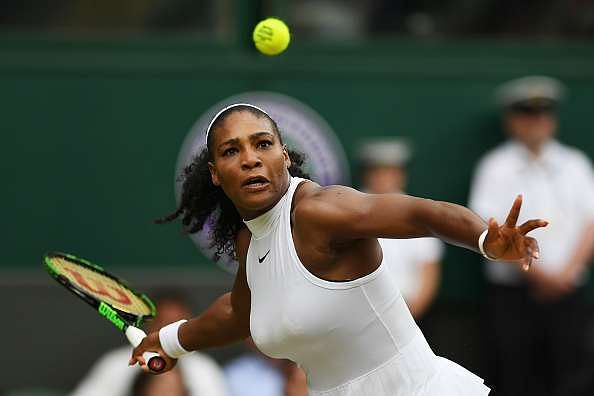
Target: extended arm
[(343, 213), (224, 322), (347, 213)]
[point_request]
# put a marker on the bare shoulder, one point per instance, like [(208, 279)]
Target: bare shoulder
[(329, 205), (315, 196)]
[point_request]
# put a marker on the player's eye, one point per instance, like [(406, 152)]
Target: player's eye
[(229, 151), (264, 144)]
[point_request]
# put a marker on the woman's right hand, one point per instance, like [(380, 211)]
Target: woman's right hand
[(151, 343)]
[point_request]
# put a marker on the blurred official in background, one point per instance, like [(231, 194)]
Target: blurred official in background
[(413, 262), (539, 319), (195, 375)]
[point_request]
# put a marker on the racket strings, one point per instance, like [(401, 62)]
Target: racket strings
[(101, 287)]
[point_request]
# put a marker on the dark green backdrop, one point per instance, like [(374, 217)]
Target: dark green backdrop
[(91, 129)]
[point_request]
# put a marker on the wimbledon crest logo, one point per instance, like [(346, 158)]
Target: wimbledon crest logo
[(303, 129)]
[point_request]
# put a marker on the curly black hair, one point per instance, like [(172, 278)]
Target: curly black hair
[(202, 202)]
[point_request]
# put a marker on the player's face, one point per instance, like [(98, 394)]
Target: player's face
[(250, 163)]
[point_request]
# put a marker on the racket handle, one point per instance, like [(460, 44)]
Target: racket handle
[(153, 360)]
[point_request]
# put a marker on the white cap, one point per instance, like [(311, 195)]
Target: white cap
[(385, 151), (530, 91)]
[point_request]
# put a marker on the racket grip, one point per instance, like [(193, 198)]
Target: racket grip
[(153, 360)]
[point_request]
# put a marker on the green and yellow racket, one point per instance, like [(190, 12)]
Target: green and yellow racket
[(110, 296)]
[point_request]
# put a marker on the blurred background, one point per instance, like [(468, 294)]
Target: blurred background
[(98, 98)]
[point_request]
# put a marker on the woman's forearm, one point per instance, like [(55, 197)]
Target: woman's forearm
[(219, 325), (452, 223)]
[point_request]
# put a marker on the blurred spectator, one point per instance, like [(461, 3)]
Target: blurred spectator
[(536, 18), (83, 16), (413, 262), (538, 319), (255, 374), (195, 375), (331, 19), (328, 19)]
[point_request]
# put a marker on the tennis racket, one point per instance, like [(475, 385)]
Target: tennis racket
[(110, 296)]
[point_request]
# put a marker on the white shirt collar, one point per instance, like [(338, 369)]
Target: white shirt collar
[(549, 158)]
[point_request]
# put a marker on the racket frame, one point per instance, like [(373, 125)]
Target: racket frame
[(119, 318), (127, 322)]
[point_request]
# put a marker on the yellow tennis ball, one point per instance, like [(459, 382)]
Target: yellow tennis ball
[(271, 36)]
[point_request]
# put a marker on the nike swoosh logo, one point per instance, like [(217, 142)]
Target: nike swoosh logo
[(260, 260)]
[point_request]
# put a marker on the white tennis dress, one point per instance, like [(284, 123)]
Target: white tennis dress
[(351, 338)]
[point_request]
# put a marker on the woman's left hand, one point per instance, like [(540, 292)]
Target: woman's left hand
[(509, 242)]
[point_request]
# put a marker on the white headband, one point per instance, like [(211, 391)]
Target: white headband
[(225, 109)]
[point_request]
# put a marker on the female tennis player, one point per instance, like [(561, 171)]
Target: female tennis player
[(311, 285)]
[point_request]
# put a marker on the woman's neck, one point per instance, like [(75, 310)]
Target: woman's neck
[(250, 214)]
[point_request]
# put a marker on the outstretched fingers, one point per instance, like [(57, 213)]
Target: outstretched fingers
[(493, 226), (512, 217), (532, 225)]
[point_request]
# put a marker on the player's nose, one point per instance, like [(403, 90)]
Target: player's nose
[(250, 160)]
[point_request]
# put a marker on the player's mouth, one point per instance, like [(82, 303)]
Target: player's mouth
[(255, 184)]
